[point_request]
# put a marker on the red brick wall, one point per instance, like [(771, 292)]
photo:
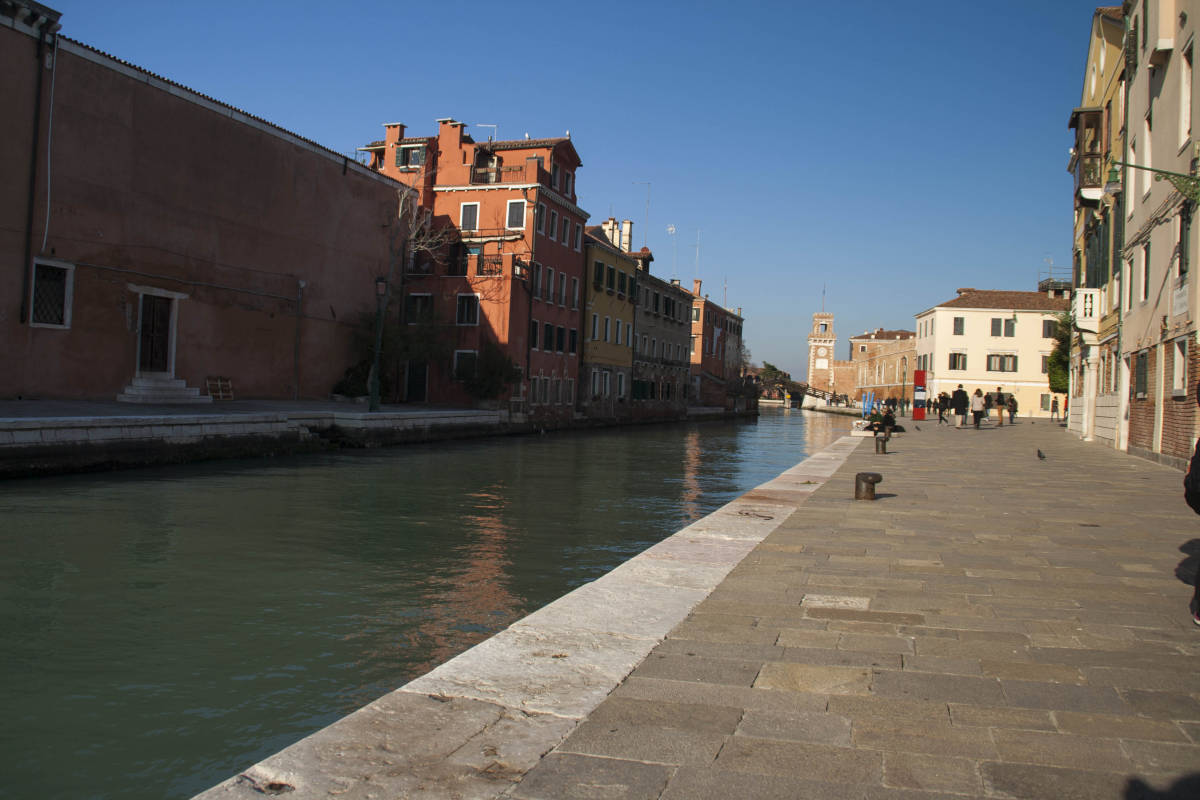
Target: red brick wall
[(1141, 410), (1179, 413)]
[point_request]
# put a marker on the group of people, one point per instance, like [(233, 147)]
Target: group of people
[(979, 404)]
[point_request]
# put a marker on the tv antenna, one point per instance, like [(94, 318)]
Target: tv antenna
[(495, 130), (674, 252)]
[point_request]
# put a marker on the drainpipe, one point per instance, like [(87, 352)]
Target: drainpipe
[(45, 29)]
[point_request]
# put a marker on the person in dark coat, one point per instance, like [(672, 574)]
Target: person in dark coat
[(960, 401), (1191, 495)]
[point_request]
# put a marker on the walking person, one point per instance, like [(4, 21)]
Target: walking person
[(940, 402), (1054, 410), (1000, 406), (978, 406), (961, 402), (1012, 408), (987, 405)]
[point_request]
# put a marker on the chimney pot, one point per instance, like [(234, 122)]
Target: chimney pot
[(696, 286)]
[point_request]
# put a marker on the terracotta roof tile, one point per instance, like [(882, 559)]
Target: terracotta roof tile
[(1017, 301)]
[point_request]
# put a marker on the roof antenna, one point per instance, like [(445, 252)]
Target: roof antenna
[(495, 130)]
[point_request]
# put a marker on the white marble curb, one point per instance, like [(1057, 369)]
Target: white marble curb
[(473, 726)]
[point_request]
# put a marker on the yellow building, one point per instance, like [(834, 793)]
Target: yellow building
[(606, 372), (1099, 125)]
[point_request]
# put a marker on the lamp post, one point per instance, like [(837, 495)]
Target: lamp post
[(1186, 185), (381, 290)]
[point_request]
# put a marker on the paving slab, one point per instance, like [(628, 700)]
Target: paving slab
[(993, 626)]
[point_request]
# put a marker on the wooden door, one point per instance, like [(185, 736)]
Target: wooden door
[(155, 334)]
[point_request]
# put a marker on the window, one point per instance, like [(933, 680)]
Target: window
[(468, 216), (515, 218), (1001, 363), (629, 334), (533, 334), (468, 310), (539, 217), (548, 288), (1185, 236), (598, 273), (560, 339), (1049, 328), (537, 280), (1128, 287), (1185, 98), (574, 293), (1045, 365), (562, 288), (418, 308), (554, 172), (53, 290), (566, 231), (620, 283), (607, 327), (464, 364), (1010, 327), (958, 361), (824, 326), (1147, 161), (553, 223), (1140, 366), (410, 156), (547, 337), (573, 341), (1045, 398), (959, 325), (578, 236), (695, 314), (595, 327), (611, 283), (621, 385), (996, 325), (617, 333), (570, 392), (656, 299), (1179, 368), (1145, 271)]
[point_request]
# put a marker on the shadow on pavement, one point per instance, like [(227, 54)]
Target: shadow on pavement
[(1186, 788)]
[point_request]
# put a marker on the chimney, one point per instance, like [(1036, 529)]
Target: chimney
[(609, 227), (961, 292), (696, 287), (393, 133), (627, 235)]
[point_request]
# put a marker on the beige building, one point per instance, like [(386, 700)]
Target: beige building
[(986, 339), (1158, 295), (883, 363)]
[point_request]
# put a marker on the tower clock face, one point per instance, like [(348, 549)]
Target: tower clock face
[(821, 351)]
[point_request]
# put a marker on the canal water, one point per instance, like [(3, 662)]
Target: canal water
[(163, 629)]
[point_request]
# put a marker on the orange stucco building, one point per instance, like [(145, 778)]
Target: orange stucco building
[(513, 270), (715, 351)]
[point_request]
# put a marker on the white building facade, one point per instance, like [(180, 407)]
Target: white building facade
[(991, 340)]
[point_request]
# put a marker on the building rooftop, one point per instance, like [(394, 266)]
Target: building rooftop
[(880, 333), (1017, 301)]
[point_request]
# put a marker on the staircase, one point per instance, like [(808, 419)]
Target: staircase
[(160, 388)]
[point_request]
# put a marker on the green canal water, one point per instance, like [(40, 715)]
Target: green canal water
[(162, 629)]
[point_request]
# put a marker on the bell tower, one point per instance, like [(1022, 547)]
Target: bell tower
[(821, 343)]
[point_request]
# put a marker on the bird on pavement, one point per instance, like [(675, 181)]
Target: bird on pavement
[(915, 425), (1041, 455)]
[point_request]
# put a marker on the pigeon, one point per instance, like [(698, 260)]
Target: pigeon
[(915, 425), (1041, 455)]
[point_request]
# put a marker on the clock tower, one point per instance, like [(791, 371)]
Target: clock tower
[(821, 343)]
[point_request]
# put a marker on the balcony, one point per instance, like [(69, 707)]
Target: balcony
[(489, 265), (495, 175), (1087, 156), (1085, 307)]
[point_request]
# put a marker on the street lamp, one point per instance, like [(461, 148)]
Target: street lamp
[(381, 289), (1187, 185)]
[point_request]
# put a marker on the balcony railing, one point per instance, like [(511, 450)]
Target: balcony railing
[(490, 175), (489, 265), (1085, 307)]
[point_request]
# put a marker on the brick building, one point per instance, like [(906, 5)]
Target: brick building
[(516, 260), (883, 363), (155, 236), (715, 351)]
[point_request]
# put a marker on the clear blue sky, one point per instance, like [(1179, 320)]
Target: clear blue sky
[(890, 152)]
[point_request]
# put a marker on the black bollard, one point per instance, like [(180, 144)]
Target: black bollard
[(864, 485), (881, 440)]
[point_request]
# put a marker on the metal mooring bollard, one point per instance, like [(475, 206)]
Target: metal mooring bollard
[(864, 485), (881, 440)]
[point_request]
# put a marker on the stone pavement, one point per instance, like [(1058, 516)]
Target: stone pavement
[(994, 625)]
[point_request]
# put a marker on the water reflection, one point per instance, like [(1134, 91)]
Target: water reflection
[(163, 629)]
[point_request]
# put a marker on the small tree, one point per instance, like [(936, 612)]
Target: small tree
[(772, 378), (494, 371), (1059, 363)]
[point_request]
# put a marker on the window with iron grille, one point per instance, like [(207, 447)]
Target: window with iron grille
[(1140, 367), (52, 294)]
